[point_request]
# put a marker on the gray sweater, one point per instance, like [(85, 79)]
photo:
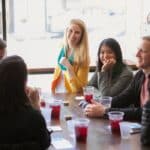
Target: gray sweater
[(104, 86)]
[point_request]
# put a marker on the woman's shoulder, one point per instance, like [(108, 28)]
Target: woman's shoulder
[(127, 70), (35, 117), (33, 113)]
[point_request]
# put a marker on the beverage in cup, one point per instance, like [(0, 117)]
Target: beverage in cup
[(88, 92), (124, 130), (42, 103), (81, 129), (56, 106), (115, 117), (105, 101)]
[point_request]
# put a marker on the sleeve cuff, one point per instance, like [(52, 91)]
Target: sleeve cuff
[(83, 104), (106, 113)]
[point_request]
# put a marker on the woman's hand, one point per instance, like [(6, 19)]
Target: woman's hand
[(94, 110), (64, 61), (109, 63), (34, 97)]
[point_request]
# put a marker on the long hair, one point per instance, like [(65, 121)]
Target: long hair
[(115, 47), (13, 77), (81, 53)]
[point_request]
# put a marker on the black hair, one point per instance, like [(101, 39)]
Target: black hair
[(115, 47), (13, 77)]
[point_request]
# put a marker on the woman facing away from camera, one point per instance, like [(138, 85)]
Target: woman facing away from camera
[(31, 92), (111, 76), (20, 122), (71, 73)]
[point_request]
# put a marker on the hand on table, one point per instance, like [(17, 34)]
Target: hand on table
[(94, 110)]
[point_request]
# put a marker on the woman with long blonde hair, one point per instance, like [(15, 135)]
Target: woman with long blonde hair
[(71, 73)]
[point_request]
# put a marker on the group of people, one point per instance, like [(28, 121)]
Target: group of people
[(21, 120), (111, 77), (71, 74)]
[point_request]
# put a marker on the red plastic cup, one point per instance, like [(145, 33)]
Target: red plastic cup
[(81, 129), (56, 107), (115, 118), (88, 97), (42, 103), (88, 92)]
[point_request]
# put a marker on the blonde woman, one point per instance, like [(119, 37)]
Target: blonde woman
[(71, 73)]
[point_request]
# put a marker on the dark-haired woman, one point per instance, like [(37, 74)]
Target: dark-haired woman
[(112, 76), (20, 122)]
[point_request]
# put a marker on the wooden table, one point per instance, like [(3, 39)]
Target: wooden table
[(99, 135)]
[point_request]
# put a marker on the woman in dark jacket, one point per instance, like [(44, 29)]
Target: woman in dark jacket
[(112, 76), (20, 122)]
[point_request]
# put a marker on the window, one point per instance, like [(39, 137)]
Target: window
[(35, 27)]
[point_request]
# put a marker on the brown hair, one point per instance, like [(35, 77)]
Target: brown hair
[(13, 77), (146, 38), (2, 44)]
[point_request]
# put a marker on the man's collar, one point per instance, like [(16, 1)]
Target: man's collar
[(147, 73)]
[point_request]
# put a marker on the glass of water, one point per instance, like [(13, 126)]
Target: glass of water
[(105, 101)]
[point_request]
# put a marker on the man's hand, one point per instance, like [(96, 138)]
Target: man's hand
[(94, 110)]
